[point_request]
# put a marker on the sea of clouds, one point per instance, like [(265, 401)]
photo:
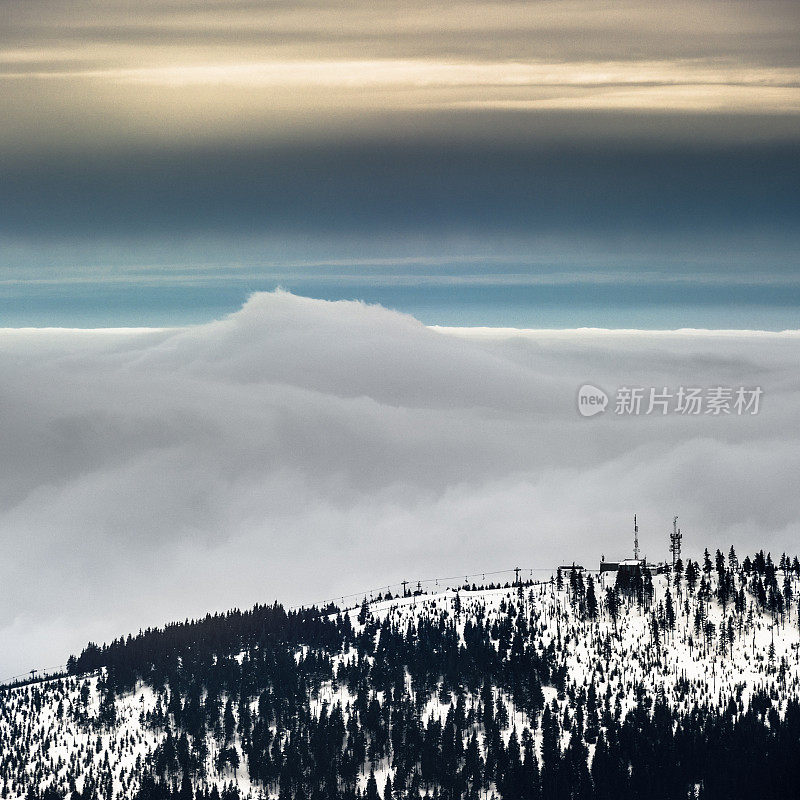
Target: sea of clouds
[(300, 450)]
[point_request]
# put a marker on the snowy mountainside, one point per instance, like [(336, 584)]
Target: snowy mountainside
[(536, 689), (684, 666)]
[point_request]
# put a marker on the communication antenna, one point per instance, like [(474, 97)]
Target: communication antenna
[(675, 542), (635, 539)]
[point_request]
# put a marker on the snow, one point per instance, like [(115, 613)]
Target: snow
[(622, 659)]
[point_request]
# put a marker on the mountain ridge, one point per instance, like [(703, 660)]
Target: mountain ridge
[(563, 688)]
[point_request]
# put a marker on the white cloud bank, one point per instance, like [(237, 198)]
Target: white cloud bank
[(301, 449)]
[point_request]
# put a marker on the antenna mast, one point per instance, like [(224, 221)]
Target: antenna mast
[(675, 542), (635, 539)]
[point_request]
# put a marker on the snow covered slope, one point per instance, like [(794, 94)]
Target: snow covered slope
[(593, 653)]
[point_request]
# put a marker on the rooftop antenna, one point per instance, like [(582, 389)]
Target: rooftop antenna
[(675, 542), (635, 539)]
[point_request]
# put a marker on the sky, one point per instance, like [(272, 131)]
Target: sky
[(160, 161)]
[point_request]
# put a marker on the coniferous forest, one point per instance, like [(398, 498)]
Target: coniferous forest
[(631, 684)]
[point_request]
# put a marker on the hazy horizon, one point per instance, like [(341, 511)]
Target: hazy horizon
[(461, 295)]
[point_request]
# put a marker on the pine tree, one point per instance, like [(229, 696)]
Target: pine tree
[(691, 575), (229, 723), (363, 612), (670, 612), (551, 753), (591, 599), (612, 604), (529, 786), (372, 787), (678, 575), (186, 792)]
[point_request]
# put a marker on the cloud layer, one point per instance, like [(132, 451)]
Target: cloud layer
[(480, 47), (183, 72), (300, 450)]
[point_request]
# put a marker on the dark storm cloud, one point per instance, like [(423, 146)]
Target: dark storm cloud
[(376, 187), (641, 120)]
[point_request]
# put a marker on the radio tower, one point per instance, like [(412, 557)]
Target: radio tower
[(635, 539), (675, 542)]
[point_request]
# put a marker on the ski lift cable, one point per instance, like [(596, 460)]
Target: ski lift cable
[(436, 581)]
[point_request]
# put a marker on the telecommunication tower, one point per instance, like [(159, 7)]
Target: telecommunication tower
[(675, 542)]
